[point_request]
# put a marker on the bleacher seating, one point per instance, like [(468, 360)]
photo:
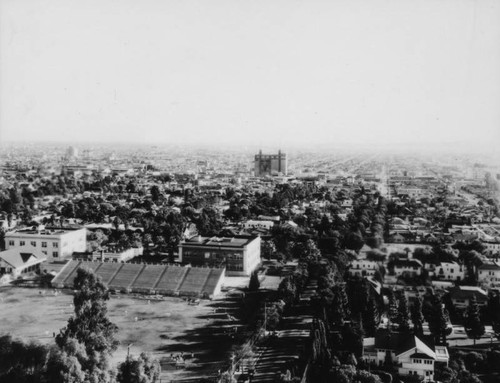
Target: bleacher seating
[(108, 270), (148, 278), (126, 276), (195, 280), (171, 280), (161, 279), (64, 273), (68, 282), (212, 281)]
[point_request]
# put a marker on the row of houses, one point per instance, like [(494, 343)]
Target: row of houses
[(488, 274)]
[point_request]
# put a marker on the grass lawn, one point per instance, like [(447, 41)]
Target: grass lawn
[(160, 327)]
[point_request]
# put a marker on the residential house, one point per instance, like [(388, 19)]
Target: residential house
[(363, 268), (488, 274), (407, 267), (450, 271), (462, 295), (412, 355), (492, 247), (257, 224)]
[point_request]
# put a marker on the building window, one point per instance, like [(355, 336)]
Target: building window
[(33, 243), (44, 244), (55, 244), (43, 251), (55, 254), (22, 243), (11, 243)]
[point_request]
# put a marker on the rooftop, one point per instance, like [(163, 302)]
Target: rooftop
[(467, 292), (489, 266), (219, 242), (47, 231), (400, 343), (17, 257)]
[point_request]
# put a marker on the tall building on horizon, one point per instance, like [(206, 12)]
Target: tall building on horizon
[(270, 164)]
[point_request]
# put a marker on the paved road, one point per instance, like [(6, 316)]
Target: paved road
[(459, 338), (278, 354)]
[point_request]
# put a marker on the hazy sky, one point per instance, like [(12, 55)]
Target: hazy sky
[(278, 72)]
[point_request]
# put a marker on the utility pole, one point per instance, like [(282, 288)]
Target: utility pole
[(265, 317), (128, 350)]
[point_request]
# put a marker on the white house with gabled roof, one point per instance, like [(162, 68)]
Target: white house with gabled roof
[(409, 353)]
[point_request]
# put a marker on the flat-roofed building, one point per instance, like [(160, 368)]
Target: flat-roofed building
[(240, 255), (53, 242)]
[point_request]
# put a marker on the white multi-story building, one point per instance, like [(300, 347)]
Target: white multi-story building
[(488, 274), (363, 268), (54, 242), (240, 255), (450, 271), (492, 247)]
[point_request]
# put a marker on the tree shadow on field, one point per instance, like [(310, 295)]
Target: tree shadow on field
[(208, 348), (228, 324)]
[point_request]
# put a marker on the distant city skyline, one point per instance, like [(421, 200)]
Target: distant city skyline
[(275, 74)]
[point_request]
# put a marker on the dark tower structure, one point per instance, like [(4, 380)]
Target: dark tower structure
[(270, 164)]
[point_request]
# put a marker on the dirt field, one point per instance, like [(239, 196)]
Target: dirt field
[(164, 328)]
